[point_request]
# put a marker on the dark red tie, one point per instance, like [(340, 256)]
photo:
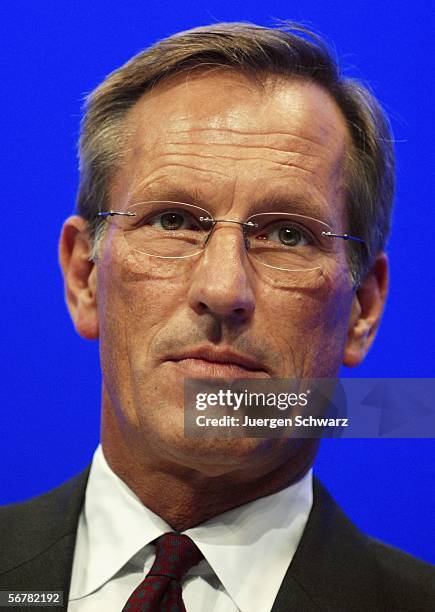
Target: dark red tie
[(160, 591)]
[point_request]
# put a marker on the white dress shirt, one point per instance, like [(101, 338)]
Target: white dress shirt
[(246, 550)]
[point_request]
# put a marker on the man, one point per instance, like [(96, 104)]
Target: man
[(220, 171)]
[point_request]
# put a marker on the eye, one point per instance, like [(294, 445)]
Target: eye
[(286, 234), (173, 220)]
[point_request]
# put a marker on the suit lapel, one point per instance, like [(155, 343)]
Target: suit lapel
[(333, 568)]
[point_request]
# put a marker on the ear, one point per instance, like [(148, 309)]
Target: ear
[(366, 312), (80, 276)]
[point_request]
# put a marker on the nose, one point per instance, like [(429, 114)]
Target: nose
[(222, 282)]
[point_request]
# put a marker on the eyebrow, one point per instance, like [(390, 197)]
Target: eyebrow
[(170, 194), (285, 203)]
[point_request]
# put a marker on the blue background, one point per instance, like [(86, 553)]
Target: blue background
[(52, 54)]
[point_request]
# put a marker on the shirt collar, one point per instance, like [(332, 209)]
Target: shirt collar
[(249, 548)]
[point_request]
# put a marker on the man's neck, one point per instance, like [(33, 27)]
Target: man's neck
[(186, 497)]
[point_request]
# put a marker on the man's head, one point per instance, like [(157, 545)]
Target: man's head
[(239, 120)]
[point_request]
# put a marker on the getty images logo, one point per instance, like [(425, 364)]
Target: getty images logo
[(226, 398)]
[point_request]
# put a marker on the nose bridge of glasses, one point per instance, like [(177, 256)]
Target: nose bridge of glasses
[(233, 222)]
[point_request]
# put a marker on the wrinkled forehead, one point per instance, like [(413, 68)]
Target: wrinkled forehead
[(222, 105), (221, 130)]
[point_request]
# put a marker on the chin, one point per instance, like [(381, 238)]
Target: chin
[(216, 456)]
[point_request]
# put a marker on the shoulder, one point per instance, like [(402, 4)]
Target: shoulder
[(59, 499), (403, 576), (338, 567), (29, 527)]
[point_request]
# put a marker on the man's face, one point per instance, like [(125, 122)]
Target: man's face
[(218, 139)]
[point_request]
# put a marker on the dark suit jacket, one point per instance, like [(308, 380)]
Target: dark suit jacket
[(336, 568)]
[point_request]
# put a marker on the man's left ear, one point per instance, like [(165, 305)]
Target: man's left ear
[(80, 277), (367, 307)]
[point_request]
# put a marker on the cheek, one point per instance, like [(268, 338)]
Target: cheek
[(315, 296), (133, 301), (311, 318), (329, 324)]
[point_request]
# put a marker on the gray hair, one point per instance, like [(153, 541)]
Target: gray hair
[(289, 51)]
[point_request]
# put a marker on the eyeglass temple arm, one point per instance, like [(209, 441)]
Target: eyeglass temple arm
[(112, 213), (343, 236)]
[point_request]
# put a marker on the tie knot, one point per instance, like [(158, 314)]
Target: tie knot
[(175, 555)]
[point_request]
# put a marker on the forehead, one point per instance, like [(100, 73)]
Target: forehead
[(223, 132)]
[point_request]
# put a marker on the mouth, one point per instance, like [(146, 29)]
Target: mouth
[(209, 363)]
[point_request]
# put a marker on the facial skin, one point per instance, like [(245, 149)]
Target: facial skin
[(235, 148)]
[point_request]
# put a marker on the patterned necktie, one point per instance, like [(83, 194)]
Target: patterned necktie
[(160, 591)]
